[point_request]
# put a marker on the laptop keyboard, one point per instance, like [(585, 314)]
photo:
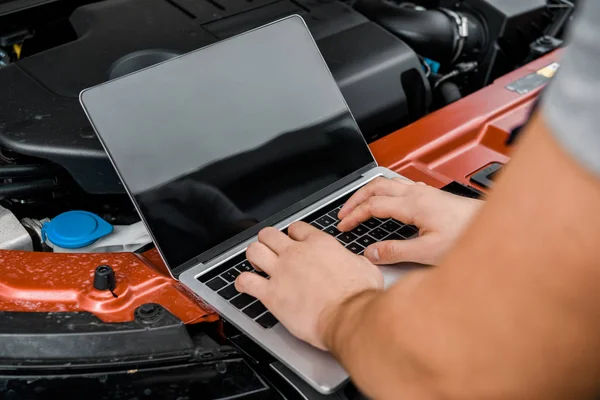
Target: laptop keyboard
[(221, 279)]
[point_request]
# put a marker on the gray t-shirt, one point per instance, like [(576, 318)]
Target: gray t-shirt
[(571, 104)]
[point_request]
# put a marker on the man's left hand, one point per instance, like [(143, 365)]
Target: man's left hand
[(311, 274)]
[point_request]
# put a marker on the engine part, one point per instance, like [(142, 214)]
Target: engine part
[(43, 117), (34, 227), (459, 69), (139, 60), (104, 278), (75, 229), (544, 45), (449, 93), (26, 188), (153, 355), (441, 34), (122, 238), (510, 25), (26, 171), (13, 235)]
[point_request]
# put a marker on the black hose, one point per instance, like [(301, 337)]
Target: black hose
[(27, 188), (431, 33), (449, 93), (26, 171)]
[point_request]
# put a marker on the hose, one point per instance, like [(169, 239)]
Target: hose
[(435, 34), (449, 93), (21, 189), (25, 171)]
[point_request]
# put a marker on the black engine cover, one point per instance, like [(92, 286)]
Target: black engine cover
[(41, 116)]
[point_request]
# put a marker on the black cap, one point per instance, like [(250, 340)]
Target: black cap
[(104, 278)]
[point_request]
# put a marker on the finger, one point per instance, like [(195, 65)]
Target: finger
[(274, 239), (300, 231), (252, 284), (377, 187), (381, 207), (262, 257), (417, 250)]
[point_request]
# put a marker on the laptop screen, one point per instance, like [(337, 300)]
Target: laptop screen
[(211, 145)]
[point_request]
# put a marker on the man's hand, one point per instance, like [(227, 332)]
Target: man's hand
[(311, 274), (441, 217)]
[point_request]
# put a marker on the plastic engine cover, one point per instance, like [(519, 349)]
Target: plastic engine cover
[(379, 75)]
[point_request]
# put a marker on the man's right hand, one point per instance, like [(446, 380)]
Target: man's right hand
[(441, 217)]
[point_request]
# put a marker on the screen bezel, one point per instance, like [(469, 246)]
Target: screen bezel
[(234, 241)]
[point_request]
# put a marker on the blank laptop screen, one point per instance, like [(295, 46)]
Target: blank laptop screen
[(213, 143)]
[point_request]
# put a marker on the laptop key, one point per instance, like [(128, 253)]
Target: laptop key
[(394, 236), (355, 248), (255, 309), (408, 231), (216, 284), (360, 230), (325, 221), (242, 300), (319, 227), (347, 237), (334, 214), (390, 225), (332, 230), (378, 233), (366, 241), (229, 292), (230, 275), (372, 223), (245, 267), (267, 321)]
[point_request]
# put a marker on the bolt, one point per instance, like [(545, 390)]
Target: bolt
[(147, 309), (148, 313)]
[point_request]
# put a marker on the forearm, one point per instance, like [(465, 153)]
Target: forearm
[(512, 312), (375, 336)]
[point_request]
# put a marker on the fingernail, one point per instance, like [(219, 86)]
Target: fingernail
[(375, 255), (239, 281)]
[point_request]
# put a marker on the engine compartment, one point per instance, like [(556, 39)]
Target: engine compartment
[(44, 119), (395, 62)]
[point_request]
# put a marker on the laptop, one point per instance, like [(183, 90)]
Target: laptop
[(216, 144)]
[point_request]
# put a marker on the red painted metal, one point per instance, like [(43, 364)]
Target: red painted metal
[(450, 144), (32, 281), (455, 142)]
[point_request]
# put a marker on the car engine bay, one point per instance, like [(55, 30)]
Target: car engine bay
[(416, 75), (395, 62)]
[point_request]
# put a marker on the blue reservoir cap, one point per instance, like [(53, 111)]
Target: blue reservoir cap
[(76, 229)]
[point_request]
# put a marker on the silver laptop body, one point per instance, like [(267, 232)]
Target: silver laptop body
[(145, 121)]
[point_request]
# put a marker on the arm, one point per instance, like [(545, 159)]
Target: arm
[(511, 312)]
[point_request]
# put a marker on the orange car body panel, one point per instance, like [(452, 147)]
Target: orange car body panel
[(447, 145)]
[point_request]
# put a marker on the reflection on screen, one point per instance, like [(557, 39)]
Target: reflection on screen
[(217, 141)]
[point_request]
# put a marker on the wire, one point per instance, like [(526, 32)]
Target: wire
[(427, 67), (444, 78), (461, 68)]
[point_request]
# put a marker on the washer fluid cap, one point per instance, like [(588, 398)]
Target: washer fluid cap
[(75, 229)]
